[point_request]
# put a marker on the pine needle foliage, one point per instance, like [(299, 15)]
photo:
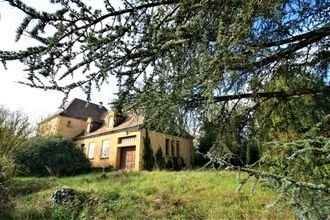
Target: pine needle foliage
[(173, 58), (297, 170)]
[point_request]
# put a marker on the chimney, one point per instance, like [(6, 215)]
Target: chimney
[(100, 105)]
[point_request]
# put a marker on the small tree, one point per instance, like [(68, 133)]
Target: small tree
[(148, 154), (160, 160)]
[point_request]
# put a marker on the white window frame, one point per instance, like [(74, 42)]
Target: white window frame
[(105, 145), (91, 150)]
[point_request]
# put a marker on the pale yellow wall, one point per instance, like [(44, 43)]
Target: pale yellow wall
[(48, 127), (114, 148), (76, 128), (157, 140), (59, 126)]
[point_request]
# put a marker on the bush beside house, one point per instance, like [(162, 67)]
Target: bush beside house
[(58, 156)]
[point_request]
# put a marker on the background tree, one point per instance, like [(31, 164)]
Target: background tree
[(14, 130)]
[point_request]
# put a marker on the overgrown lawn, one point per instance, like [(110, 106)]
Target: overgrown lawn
[(148, 195)]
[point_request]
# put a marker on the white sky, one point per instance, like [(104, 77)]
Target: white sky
[(35, 103)]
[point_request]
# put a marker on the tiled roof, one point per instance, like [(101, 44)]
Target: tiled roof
[(80, 109), (129, 122)]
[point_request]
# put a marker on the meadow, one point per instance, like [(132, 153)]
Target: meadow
[(147, 195)]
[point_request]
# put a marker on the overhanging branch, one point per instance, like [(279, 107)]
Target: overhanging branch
[(279, 94)]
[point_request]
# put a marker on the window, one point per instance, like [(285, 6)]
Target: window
[(82, 147), (69, 124), (105, 149), (125, 140), (172, 148), (111, 122), (91, 150), (88, 130), (177, 148), (167, 147)]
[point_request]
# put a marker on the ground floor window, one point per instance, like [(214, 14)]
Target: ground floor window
[(91, 150), (105, 149)]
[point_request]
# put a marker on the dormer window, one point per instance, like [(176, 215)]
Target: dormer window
[(88, 129), (111, 122), (89, 125)]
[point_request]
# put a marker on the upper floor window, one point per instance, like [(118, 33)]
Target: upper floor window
[(91, 150), (89, 126), (125, 140), (105, 149)]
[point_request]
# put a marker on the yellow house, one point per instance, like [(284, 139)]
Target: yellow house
[(111, 140)]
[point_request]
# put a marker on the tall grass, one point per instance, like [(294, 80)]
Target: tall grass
[(148, 195)]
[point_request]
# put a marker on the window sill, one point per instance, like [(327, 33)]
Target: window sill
[(103, 158), (90, 158)]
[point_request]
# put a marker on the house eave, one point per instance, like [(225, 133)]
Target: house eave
[(137, 127)]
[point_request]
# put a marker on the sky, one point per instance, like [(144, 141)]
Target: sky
[(36, 103)]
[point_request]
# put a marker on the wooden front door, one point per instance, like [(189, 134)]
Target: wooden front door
[(127, 158)]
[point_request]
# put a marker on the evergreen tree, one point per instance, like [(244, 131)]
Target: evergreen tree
[(148, 154), (190, 53)]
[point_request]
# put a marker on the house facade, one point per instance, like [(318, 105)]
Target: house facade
[(111, 140)]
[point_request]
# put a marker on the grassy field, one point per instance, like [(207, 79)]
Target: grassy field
[(148, 195)]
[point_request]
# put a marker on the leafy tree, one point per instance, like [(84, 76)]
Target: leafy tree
[(148, 154), (43, 156), (14, 130), (160, 160)]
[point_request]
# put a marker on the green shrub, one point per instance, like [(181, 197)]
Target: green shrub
[(59, 156), (169, 164), (177, 163), (160, 160)]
